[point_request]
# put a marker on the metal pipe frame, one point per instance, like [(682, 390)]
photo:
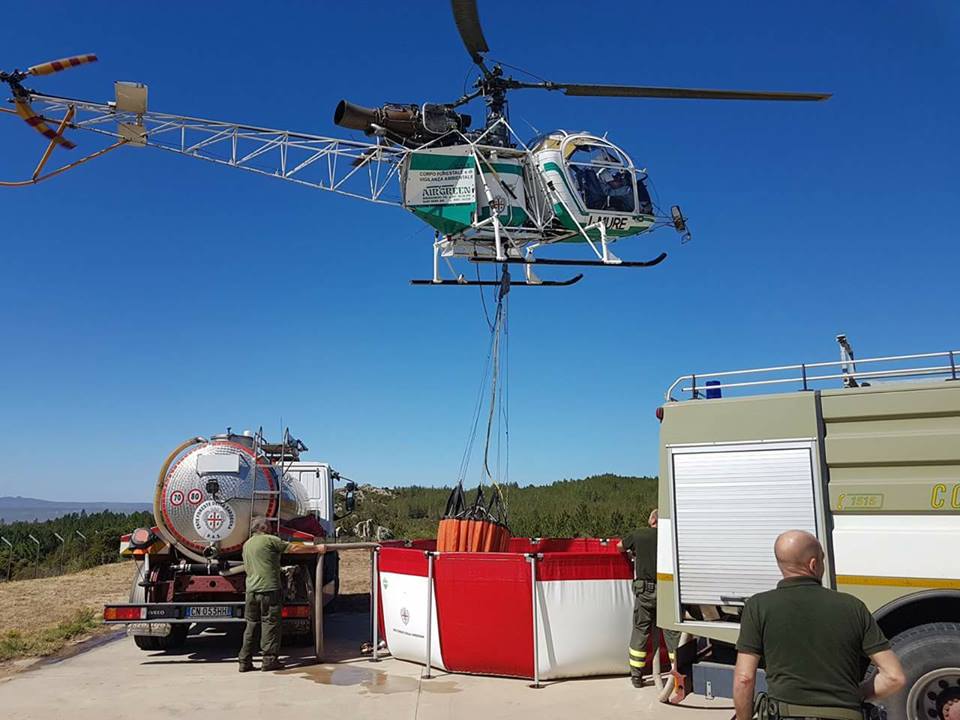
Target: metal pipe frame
[(429, 632), (532, 559), (804, 378), (318, 635), (375, 602)]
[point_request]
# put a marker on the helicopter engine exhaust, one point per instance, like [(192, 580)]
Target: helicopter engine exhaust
[(401, 122)]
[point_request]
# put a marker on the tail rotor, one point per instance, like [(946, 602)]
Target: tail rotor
[(21, 95)]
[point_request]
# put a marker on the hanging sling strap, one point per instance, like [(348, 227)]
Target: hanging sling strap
[(456, 503)]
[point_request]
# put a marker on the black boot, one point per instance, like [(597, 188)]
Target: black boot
[(637, 680), (246, 666), (270, 664)]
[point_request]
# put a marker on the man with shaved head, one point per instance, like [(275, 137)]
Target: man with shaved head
[(813, 641)]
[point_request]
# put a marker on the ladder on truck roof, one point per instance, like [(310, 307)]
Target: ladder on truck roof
[(920, 365), (277, 454)]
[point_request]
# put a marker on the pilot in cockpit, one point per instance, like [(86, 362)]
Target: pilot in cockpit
[(618, 188)]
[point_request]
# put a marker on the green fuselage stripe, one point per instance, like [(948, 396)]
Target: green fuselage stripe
[(563, 176), (505, 169), (423, 161)]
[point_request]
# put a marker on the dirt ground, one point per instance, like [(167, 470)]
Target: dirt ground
[(354, 572), (38, 604)]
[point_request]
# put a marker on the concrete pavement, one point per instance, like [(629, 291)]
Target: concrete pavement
[(116, 680)]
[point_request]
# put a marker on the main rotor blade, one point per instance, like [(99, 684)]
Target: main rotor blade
[(681, 93), (48, 68), (467, 18)]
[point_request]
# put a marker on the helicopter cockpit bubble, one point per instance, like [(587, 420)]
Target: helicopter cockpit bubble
[(604, 176)]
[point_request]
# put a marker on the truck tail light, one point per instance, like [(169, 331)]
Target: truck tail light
[(124, 613), (295, 611)]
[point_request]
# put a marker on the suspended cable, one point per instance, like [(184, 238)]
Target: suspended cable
[(482, 525)]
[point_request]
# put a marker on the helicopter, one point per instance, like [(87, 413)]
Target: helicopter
[(489, 196)]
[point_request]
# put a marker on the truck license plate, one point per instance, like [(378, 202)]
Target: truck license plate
[(204, 611)]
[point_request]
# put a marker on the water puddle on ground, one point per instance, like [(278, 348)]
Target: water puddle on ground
[(375, 682)]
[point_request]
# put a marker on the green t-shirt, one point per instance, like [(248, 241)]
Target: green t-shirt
[(812, 641), (261, 558), (643, 544)]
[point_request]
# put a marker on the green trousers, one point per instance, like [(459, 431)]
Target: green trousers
[(644, 623), (262, 613)]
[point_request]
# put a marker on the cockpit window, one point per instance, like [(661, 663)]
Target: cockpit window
[(607, 189), (594, 155), (605, 180)]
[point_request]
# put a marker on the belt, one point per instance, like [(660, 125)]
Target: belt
[(766, 708), (826, 713)]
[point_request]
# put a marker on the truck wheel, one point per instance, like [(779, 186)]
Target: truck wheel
[(930, 655), (146, 642), (138, 594), (176, 639)]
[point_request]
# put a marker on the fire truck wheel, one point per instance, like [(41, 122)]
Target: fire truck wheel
[(930, 655)]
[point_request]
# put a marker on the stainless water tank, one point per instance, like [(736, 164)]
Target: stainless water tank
[(203, 498)]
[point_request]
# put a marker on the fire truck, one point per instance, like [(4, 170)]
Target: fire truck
[(864, 454)]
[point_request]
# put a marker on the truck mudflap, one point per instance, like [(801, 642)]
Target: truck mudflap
[(190, 612)]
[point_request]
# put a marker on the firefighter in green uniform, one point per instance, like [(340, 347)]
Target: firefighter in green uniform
[(642, 544), (812, 640), (264, 596)]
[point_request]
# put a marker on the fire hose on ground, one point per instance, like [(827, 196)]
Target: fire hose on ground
[(665, 688)]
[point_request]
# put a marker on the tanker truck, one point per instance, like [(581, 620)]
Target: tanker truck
[(189, 569)]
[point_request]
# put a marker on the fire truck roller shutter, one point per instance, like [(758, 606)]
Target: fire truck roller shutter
[(731, 501)]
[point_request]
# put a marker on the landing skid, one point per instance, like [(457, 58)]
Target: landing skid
[(496, 283), (573, 263)]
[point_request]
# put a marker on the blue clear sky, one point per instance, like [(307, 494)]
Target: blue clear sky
[(147, 297)]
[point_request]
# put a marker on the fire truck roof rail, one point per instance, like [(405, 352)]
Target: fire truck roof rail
[(921, 365)]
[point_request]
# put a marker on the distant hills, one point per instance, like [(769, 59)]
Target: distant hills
[(23, 509)]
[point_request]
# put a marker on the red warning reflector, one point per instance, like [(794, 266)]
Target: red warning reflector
[(659, 413)]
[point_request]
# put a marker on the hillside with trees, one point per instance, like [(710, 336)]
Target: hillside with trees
[(90, 539), (597, 506)]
